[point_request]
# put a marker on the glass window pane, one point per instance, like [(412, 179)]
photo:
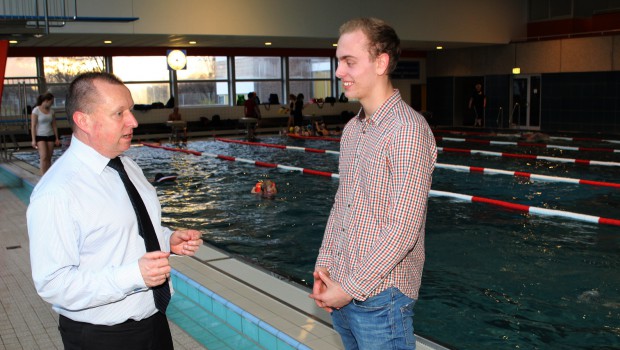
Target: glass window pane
[(21, 67), (309, 67), (203, 93), (262, 88), (258, 68), (204, 68), (144, 68), (60, 94), (147, 93), (64, 69), (311, 88), (17, 95)]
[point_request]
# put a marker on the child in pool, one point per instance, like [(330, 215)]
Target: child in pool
[(265, 188)]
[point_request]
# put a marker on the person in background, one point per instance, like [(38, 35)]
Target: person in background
[(320, 129), (369, 268), (44, 131), (291, 112), (478, 103), (175, 115), (298, 115), (251, 109), (88, 245)]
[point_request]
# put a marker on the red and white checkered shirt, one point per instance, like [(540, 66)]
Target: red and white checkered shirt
[(374, 237)]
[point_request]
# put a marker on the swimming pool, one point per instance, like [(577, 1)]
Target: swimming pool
[(495, 277)]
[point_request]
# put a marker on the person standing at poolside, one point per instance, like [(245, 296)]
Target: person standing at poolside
[(369, 268), (98, 251), (44, 131)]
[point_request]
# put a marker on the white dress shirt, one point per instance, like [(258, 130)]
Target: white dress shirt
[(84, 240)]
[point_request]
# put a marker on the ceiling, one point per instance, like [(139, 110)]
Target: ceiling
[(33, 38)]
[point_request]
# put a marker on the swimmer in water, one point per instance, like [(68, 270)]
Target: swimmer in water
[(265, 188)]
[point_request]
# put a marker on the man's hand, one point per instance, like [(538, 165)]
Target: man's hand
[(319, 287), (155, 268), (330, 293), (185, 242)]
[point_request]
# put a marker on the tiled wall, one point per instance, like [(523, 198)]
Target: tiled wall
[(243, 322)]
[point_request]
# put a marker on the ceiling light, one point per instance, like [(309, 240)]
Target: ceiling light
[(268, 43), (107, 42), (516, 70), (13, 42), (439, 47), (192, 42), (335, 44)]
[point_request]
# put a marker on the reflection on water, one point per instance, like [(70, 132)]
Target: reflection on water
[(493, 278)]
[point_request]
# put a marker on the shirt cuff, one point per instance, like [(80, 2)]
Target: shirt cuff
[(354, 290), (129, 278)]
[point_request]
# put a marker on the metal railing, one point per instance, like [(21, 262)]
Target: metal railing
[(38, 14), (14, 112)]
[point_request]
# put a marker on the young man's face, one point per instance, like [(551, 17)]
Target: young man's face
[(358, 71)]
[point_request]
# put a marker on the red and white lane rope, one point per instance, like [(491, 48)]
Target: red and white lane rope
[(528, 156), (173, 149), (486, 171), (503, 204), (482, 133), (432, 193), (490, 171), (528, 144), (271, 145), (273, 165), (528, 209), (323, 138)]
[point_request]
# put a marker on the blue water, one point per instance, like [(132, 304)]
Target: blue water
[(493, 278)]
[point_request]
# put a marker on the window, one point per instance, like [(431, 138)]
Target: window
[(20, 87), (60, 71), (146, 77), (260, 74), (311, 76), (204, 82)]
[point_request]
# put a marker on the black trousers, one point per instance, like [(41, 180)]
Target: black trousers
[(152, 333)]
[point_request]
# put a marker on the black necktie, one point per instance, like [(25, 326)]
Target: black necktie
[(161, 293)]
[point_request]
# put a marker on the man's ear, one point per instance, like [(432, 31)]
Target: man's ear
[(81, 120), (382, 62)]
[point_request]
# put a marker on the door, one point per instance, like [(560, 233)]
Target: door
[(525, 102)]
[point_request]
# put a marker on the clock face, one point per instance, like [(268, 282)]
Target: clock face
[(177, 59)]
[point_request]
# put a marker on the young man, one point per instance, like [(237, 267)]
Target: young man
[(369, 268), (98, 257)]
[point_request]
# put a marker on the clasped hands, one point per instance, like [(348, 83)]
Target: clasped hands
[(155, 267), (327, 293)]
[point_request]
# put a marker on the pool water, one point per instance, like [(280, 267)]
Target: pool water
[(493, 277)]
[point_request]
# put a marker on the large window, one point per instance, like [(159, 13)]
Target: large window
[(204, 82), (146, 77), (60, 71), (20, 87), (262, 75), (311, 76)]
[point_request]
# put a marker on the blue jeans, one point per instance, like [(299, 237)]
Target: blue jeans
[(383, 322)]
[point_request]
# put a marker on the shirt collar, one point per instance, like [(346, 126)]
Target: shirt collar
[(87, 155), (381, 112)]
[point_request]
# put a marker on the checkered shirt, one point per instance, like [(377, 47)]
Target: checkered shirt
[(374, 237)]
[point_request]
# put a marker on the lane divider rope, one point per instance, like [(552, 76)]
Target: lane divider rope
[(528, 144), (433, 193), (465, 168), (481, 133), (528, 156)]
